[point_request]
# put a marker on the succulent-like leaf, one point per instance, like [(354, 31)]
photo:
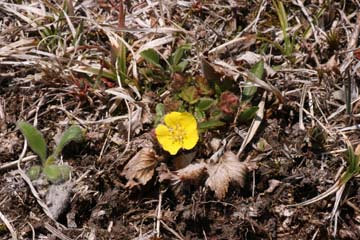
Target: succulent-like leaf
[(34, 172), (74, 133), (34, 138), (57, 173)]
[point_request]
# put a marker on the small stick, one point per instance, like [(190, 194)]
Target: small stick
[(158, 216), (14, 163), (9, 226)]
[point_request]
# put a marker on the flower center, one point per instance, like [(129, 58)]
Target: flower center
[(177, 134)]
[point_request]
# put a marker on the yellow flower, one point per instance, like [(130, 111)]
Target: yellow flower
[(180, 131)]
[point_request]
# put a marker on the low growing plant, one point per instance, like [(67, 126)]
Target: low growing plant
[(53, 172)]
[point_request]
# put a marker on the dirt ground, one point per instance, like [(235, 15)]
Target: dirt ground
[(59, 65)]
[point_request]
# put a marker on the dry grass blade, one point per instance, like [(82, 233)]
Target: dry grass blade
[(153, 44), (254, 125), (319, 197), (17, 47), (267, 86), (238, 42), (20, 15), (353, 169), (120, 93)]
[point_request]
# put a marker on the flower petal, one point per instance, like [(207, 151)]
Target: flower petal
[(187, 121), (172, 148), (190, 139), (172, 119), (166, 140)]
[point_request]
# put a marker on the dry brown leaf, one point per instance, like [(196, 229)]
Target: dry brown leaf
[(165, 174), (228, 169), (141, 167), (191, 172)]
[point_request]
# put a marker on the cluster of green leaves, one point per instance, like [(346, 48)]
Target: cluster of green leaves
[(58, 33), (288, 46), (353, 168), (175, 63), (157, 69), (289, 42), (54, 173), (205, 96)]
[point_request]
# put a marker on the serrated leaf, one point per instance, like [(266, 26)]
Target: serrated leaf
[(228, 169), (151, 56), (57, 173), (74, 133), (205, 103), (211, 124), (34, 172), (248, 114), (140, 168), (190, 95), (34, 138)]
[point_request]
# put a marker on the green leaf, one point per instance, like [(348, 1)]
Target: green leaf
[(190, 95), (216, 113), (160, 112), (34, 138), (199, 115), (179, 67), (34, 172), (178, 54), (101, 72), (211, 124), (205, 103), (151, 56), (122, 61), (258, 71), (248, 114), (74, 133), (50, 160), (57, 173)]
